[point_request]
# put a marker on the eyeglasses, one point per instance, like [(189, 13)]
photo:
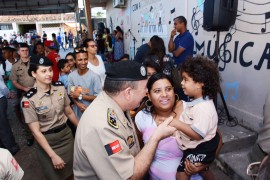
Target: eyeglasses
[(80, 49), (92, 45)]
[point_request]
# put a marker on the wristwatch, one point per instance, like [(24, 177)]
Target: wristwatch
[(80, 97)]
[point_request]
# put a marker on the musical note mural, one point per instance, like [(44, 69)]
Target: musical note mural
[(251, 19), (231, 91)]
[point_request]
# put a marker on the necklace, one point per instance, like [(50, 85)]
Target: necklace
[(158, 119)]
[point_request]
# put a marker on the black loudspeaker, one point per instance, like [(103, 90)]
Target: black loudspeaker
[(219, 15)]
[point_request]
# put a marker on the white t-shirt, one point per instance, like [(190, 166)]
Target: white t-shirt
[(9, 168), (8, 65), (99, 70), (2, 72)]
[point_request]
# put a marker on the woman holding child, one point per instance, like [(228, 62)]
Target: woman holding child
[(163, 103)]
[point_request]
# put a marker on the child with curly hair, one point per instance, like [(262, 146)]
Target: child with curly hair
[(197, 128)]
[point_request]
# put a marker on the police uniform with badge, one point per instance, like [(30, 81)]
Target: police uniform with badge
[(19, 72), (106, 141), (47, 108)]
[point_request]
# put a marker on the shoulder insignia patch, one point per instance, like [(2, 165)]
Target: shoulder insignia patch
[(57, 83), (25, 104), (113, 147), (31, 92), (112, 118)]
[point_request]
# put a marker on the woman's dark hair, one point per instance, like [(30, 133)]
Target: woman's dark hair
[(150, 83), (153, 62), (70, 54), (202, 70), (32, 67), (35, 46), (119, 29), (157, 47), (107, 30)]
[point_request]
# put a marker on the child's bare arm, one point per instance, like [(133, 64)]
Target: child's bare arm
[(186, 129)]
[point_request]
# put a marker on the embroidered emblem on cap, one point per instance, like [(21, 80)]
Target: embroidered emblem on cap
[(41, 61), (143, 71)]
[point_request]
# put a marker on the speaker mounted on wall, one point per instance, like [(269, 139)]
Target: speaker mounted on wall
[(219, 15)]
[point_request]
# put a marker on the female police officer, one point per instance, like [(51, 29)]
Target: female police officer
[(46, 110)]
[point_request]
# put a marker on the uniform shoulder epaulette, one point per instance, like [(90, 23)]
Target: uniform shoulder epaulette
[(58, 83), (31, 92), (15, 62)]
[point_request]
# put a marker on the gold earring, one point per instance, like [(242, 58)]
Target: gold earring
[(176, 97), (148, 105)]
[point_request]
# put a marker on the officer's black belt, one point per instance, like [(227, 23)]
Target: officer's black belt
[(56, 129)]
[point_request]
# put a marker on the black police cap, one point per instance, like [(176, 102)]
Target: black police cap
[(126, 71), (40, 61)]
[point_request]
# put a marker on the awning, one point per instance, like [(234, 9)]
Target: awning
[(27, 7)]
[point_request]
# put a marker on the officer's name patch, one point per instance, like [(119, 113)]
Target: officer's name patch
[(41, 108), (113, 147), (25, 104)]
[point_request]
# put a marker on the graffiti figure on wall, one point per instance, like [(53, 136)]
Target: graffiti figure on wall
[(152, 20)]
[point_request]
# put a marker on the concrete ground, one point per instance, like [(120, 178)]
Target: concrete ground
[(28, 159)]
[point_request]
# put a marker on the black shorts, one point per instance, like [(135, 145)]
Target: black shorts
[(203, 153)]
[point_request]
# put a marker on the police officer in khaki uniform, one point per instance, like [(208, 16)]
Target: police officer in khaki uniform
[(106, 144), (46, 109), (21, 80), (10, 169), (19, 76)]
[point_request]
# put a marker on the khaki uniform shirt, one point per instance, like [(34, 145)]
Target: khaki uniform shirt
[(47, 109), (264, 134), (19, 73), (9, 168), (106, 142)]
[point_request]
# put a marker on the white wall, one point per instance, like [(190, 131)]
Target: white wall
[(245, 81)]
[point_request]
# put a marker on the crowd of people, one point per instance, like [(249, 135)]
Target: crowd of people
[(98, 115)]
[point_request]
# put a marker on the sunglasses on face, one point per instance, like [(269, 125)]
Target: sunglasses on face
[(81, 49), (92, 45)]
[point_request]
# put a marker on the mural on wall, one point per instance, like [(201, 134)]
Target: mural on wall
[(247, 22), (152, 19), (251, 20), (231, 90), (154, 16)]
